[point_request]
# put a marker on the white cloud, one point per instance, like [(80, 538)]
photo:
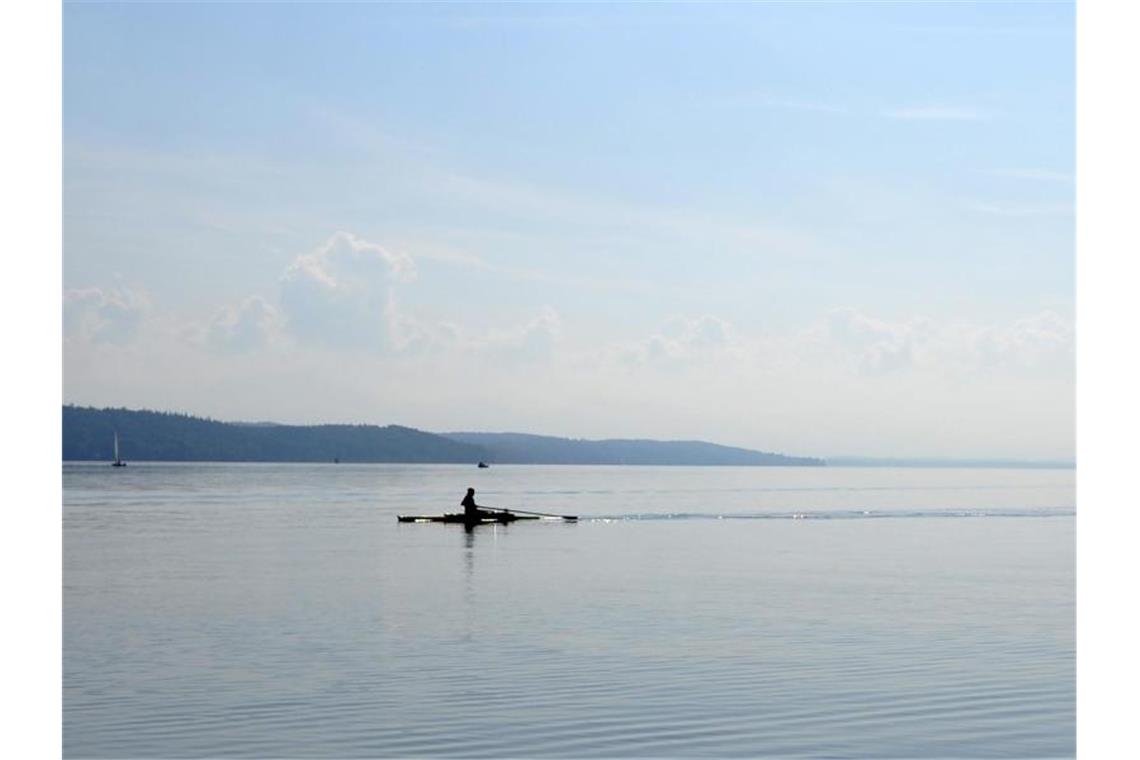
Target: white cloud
[(250, 325), (412, 337), (343, 296), (936, 113), (875, 346), (339, 295), (684, 340), (534, 339), (112, 315), (1038, 344)]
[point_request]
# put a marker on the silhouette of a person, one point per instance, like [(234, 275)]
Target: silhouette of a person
[(471, 510)]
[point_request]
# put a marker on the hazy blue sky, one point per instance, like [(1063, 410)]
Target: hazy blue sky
[(815, 228)]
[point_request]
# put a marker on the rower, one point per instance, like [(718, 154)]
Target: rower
[(471, 510)]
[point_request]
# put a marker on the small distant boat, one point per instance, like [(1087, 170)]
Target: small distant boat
[(118, 462), (483, 465)]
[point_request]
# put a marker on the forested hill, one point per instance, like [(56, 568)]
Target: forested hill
[(88, 434), (518, 448)]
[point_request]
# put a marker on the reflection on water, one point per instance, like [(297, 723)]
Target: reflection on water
[(469, 556), (281, 611)]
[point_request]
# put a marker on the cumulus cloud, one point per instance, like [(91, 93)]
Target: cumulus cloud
[(875, 346), (343, 295), (411, 336), (112, 315), (850, 343), (250, 325), (340, 294), (1035, 342), (533, 339), (684, 339)]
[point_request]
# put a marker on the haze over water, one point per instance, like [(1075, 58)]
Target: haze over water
[(281, 611)]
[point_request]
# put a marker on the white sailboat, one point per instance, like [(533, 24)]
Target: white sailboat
[(118, 462)]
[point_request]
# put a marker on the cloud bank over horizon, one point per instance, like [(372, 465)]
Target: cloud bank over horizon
[(334, 326)]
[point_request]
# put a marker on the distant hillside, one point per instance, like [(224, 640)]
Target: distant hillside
[(88, 434), (518, 448)]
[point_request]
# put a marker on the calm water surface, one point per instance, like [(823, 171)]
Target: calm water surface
[(281, 611)]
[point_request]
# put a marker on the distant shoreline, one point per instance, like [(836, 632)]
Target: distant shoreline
[(983, 465), (143, 435), (149, 436)]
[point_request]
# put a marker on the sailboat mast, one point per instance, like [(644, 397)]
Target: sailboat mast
[(116, 445)]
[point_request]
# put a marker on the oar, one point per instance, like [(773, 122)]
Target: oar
[(541, 514)]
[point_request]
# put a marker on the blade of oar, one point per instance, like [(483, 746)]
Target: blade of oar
[(541, 514)]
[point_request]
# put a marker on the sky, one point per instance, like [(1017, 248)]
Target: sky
[(819, 229)]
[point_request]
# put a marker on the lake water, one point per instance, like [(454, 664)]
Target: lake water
[(258, 610)]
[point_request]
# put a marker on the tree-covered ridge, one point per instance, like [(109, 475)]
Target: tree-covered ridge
[(520, 448), (88, 434)]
